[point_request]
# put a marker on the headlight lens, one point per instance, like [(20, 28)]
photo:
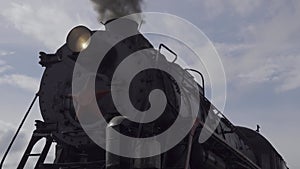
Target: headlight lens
[(79, 38)]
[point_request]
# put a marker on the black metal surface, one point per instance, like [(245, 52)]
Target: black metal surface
[(74, 165), (262, 148)]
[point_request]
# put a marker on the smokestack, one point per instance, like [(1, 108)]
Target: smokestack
[(111, 9)]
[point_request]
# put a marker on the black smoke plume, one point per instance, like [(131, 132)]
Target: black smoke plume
[(110, 9)]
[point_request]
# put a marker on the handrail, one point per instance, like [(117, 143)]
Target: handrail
[(202, 78), (162, 45)]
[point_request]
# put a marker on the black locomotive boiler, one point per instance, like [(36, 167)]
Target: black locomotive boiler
[(229, 147)]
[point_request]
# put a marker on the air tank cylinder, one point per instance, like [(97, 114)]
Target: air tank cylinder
[(120, 125)]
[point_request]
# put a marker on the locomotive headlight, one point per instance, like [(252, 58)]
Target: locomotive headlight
[(79, 38)]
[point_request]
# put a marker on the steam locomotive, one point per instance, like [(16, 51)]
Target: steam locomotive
[(229, 147)]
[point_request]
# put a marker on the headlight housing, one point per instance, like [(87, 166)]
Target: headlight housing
[(78, 38)]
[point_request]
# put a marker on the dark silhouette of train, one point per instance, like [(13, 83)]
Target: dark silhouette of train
[(229, 147)]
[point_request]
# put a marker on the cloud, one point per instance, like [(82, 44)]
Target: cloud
[(244, 7), (290, 77), (4, 68), (216, 8), (6, 53), (245, 68), (6, 136), (7, 131), (268, 52), (46, 21), (22, 81), (17, 80), (278, 34)]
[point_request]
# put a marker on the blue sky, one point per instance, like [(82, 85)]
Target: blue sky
[(258, 42)]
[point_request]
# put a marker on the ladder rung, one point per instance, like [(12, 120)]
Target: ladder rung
[(33, 154)]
